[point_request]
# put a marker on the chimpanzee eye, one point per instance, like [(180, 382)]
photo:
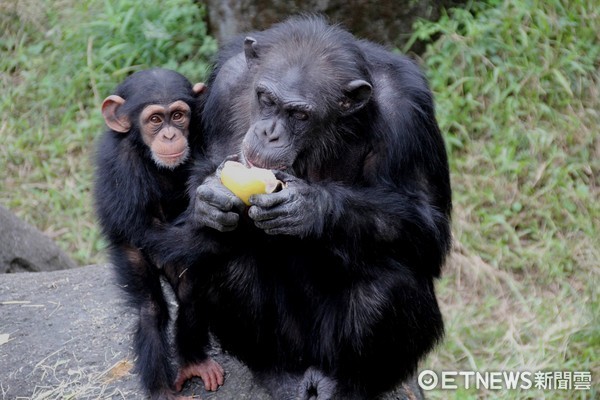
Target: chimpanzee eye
[(177, 116), (156, 119), (265, 100), (300, 115)]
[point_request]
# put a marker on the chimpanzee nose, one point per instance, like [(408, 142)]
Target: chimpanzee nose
[(169, 134), (270, 132), (271, 136)]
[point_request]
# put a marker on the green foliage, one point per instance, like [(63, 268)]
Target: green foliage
[(517, 90), (516, 85), (171, 34), (58, 60)]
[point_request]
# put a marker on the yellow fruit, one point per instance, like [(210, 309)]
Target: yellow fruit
[(244, 182)]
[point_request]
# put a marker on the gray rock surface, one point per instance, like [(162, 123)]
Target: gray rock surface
[(24, 248), (66, 335)]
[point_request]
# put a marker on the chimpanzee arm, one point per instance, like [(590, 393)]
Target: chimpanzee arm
[(356, 218), (404, 197), (195, 236)]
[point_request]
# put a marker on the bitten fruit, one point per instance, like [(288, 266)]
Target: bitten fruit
[(244, 182)]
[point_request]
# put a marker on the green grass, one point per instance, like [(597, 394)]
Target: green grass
[(517, 90)]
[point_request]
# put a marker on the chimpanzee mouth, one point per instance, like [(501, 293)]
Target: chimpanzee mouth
[(171, 155), (256, 156), (265, 164)]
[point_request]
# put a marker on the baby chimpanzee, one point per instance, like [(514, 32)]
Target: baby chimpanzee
[(142, 167)]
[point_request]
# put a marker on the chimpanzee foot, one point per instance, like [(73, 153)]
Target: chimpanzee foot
[(315, 385), (210, 371)]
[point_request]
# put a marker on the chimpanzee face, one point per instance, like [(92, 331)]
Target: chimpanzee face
[(295, 105), (154, 106), (282, 122)]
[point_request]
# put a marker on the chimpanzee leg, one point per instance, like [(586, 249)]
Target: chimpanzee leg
[(191, 334), (281, 385), (141, 282), (385, 359), (152, 347)]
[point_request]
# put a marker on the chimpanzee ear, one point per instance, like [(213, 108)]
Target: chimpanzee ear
[(198, 88), (250, 50), (110, 107), (356, 94)]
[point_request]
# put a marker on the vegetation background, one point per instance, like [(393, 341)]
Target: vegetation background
[(517, 87)]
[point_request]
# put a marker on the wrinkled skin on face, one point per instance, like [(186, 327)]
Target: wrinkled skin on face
[(289, 116), (164, 128)]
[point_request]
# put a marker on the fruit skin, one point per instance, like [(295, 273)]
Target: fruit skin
[(244, 182)]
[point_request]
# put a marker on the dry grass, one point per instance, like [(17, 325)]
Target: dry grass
[(65, 379)]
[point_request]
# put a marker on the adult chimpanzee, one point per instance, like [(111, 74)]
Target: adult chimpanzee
[(142, 167), (324, 289)]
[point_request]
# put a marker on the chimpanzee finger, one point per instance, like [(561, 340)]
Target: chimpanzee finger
[(221, 221), (258, 213), (271, 200), (283, 225), (284, 176), (220, 198)]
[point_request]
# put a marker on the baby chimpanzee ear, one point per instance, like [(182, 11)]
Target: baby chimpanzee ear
[(356, 94), (116, 122), (198, 88)]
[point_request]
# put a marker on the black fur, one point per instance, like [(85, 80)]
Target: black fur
[(136, 203), (327, 287)]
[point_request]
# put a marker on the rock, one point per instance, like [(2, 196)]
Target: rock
[(67, 334), (25, 248), (387, 22)]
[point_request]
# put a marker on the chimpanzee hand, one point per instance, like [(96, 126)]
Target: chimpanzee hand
[(216, 206), (298, 210)]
